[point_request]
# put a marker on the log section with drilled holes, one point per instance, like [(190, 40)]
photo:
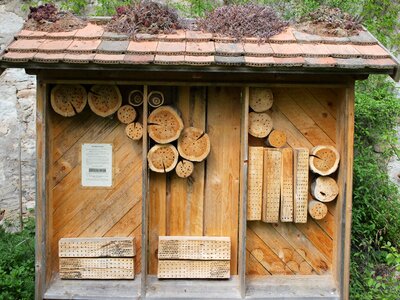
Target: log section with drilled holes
[(194, 269), (194, 248), (104, 100), (317, 210), (164, 125), (272, 185), (277, 138), (97, 268), (324, 160), (162, 158), (184, 168), (156, 99), (97, 247), (135, 98), (126, 114), (287, 185), (134, 131), (324, 189), (68, 99), (260, 124), (255, 183), (300, 185), (261, 99), (194, 144)]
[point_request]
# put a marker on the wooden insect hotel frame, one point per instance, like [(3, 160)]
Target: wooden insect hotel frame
[(237, 216)]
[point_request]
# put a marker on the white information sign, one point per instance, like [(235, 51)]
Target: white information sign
[(97, 165)]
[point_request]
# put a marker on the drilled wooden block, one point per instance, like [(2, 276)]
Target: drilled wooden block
[(194, 248), (287, 185), (301, 157), (97, 268), (272, 185), (195, 269), (97, 247), (255, 183)]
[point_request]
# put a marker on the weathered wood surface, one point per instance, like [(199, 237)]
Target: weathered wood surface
[(324, 189), (324, 159), (97, 247), (317, 210), (104, 99), (164, 125), (261, 99), (211, 269), (287, 185), (300, 184), (194, 248), (97, 268), (255, 183)]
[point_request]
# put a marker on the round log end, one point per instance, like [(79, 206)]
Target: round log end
[(324, 189), (261, 99), (134, 131), (68, 99), (260, 124), (104, 100), (305, 268), (317, 210), (277, 138), (162, 158), (165, 125), (135, 98), (155, 99), (324, 160), (126, 114), (184, 168), (194, 144)]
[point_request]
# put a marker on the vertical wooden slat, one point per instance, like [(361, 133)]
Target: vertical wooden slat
[(255, 183), (300, 162), (287, 185), (223, 165), (345, 140)]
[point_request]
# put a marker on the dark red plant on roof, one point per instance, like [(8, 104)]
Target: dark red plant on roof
[(43, 13)]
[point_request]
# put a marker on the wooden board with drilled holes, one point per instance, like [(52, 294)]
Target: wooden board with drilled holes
[(255, 183), (97, 247), (194, 269), (271, 185), (301, 156), (287, 185), (194, 248), (97, 268)]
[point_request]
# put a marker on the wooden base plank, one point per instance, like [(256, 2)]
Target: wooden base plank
[(216, 269)]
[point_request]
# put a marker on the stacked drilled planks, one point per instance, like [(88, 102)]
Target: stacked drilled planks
[(194, 257), (97, 258)]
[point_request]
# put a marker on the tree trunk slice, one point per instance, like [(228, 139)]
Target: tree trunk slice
[(324, 189), (126, 114), (134, 131), (317, 210), (261, 99), (155, 99), (324, 160), (68, 99), (277, 138), (165, 125), (162, 158), (194, 144), (184, 168), (104, 100), (135, 98), (260, 124)]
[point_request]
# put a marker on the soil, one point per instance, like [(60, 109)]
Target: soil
[(66, 22)]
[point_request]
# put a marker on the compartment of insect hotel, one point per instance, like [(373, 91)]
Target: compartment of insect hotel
[(94, 188), (298, 161)]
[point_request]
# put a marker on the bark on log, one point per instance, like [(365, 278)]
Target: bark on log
[(194, 144), (184, 168), (126, 114), (317, 210), (165, 125), (155, 99), (277, 138), (324, 160), (162, 158), (68, 99), (135, 98), (261, 99), (104, 100), (134, 131), (324, 189), (260, 124)]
